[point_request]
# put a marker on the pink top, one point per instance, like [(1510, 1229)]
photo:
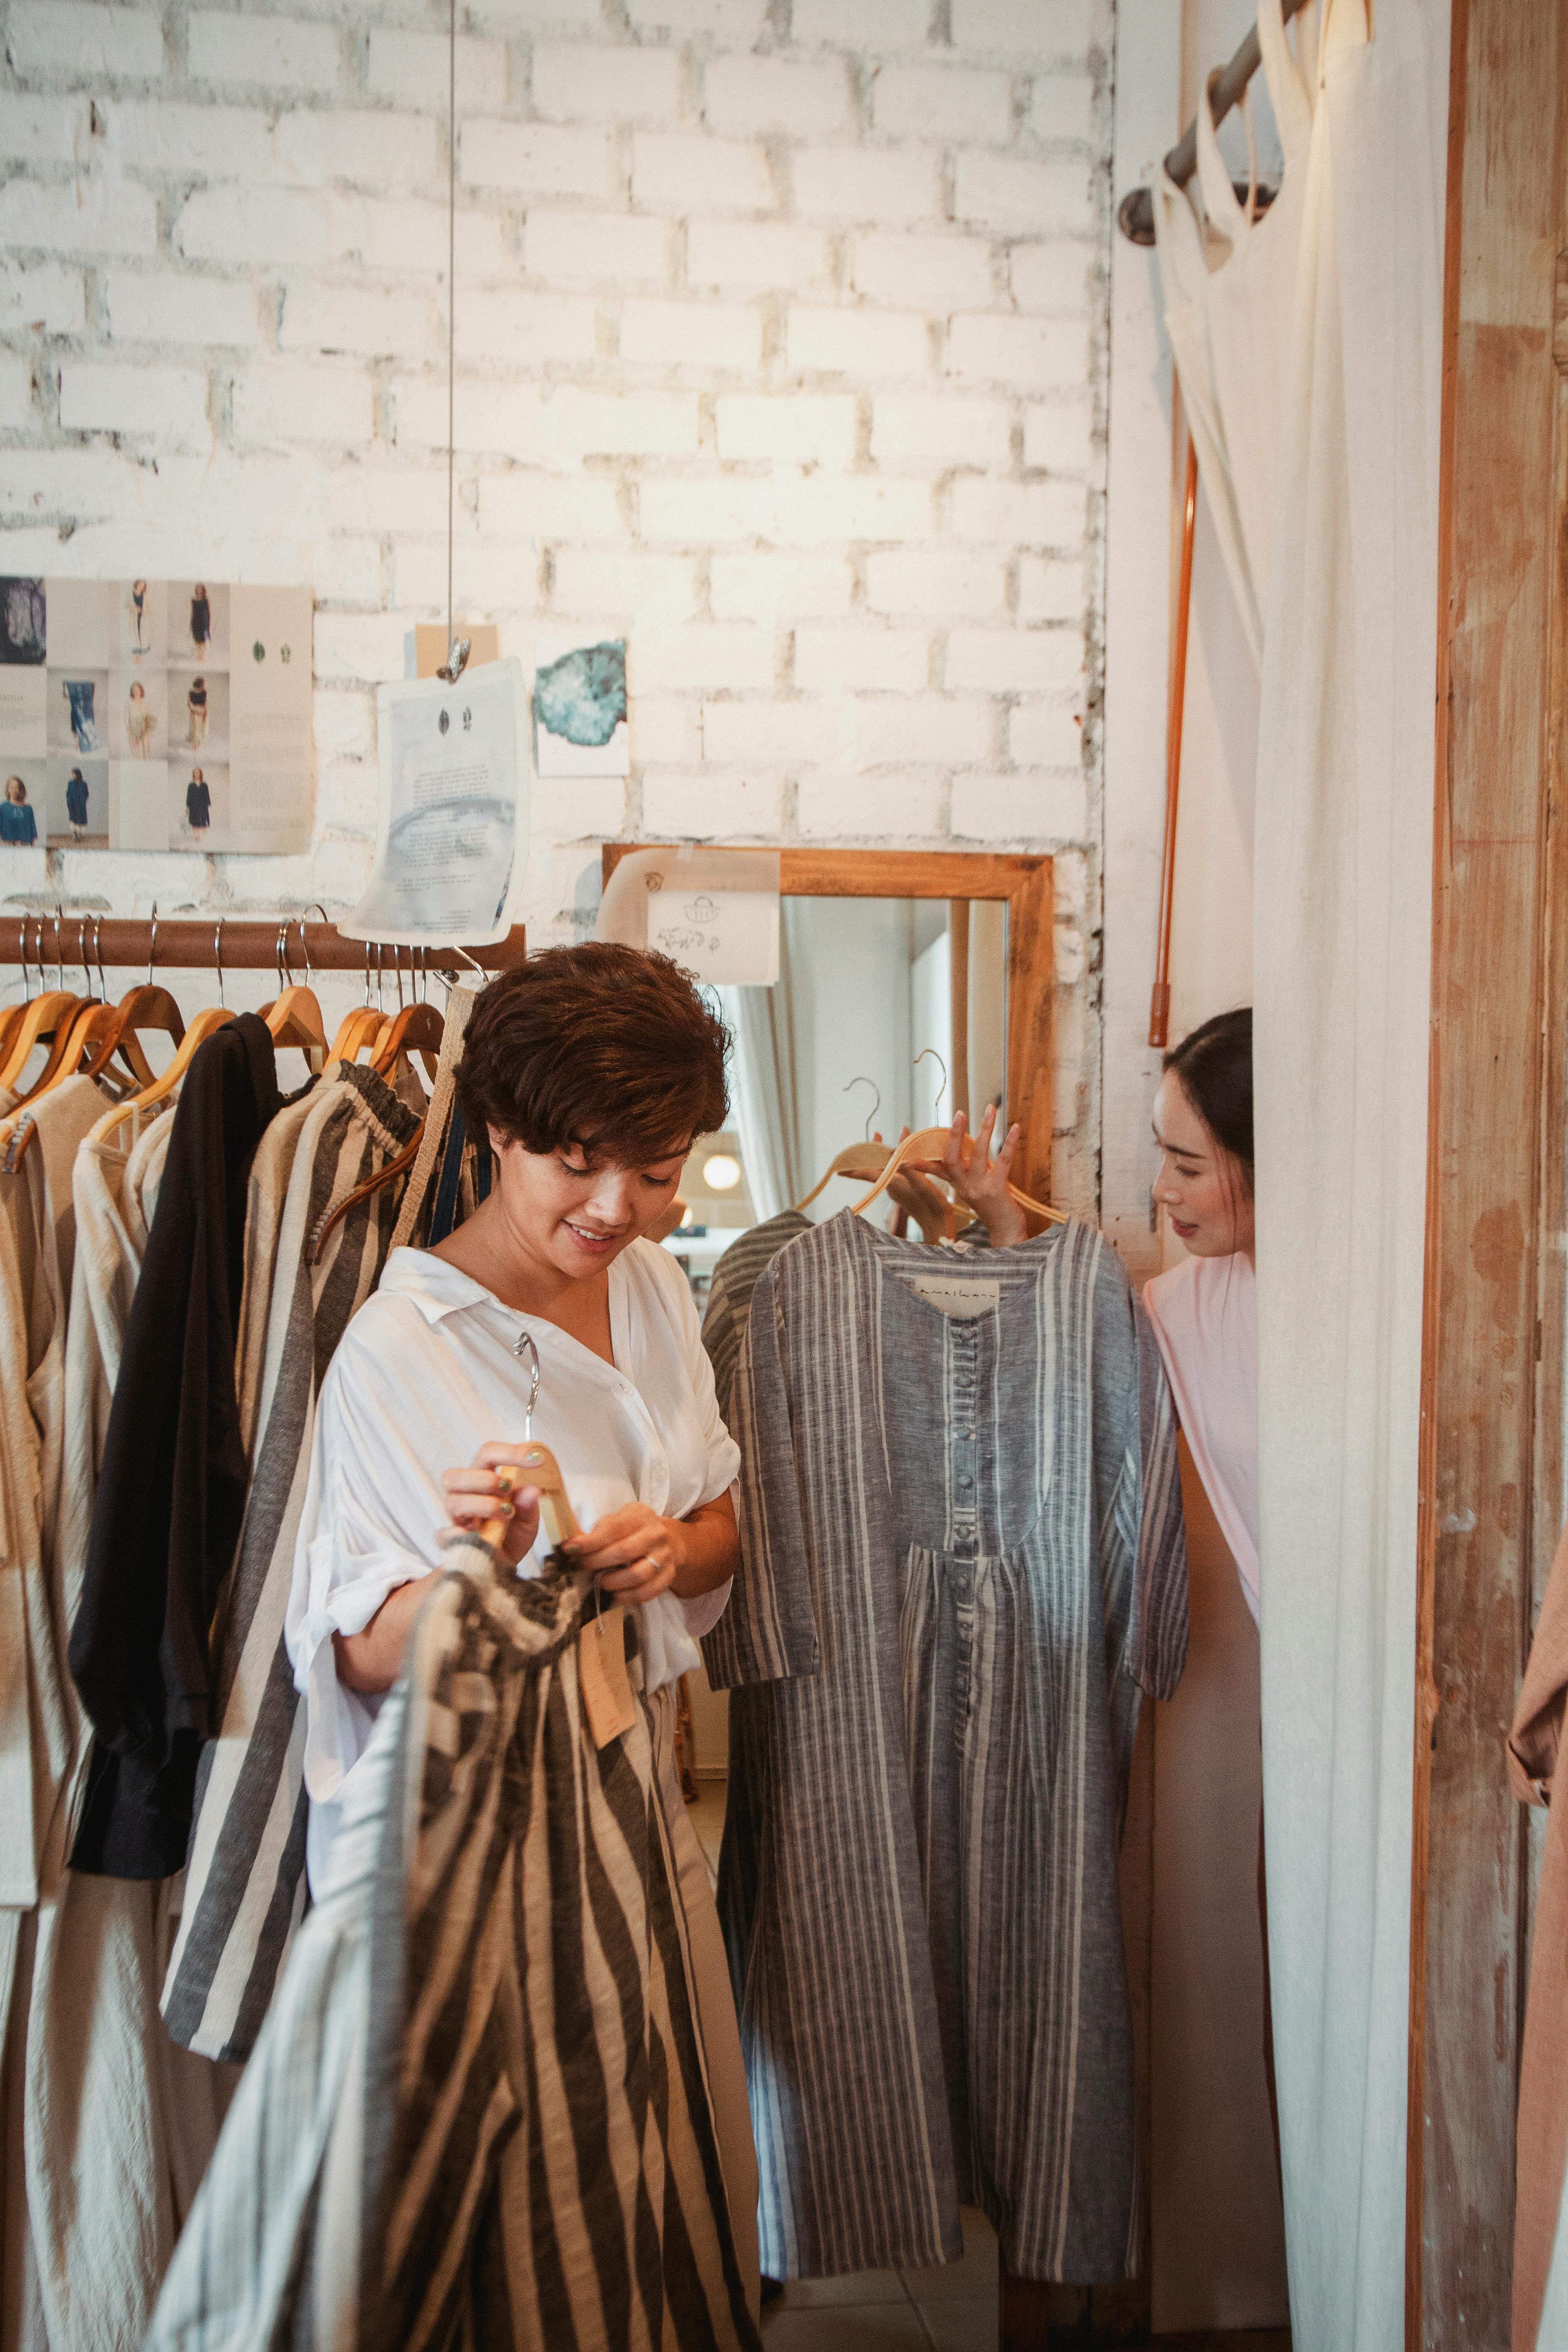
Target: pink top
[(1204, 1314)]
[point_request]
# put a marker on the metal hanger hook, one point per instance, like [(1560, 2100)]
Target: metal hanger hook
[(59, 952), (151, 942), (523, 1348), (277, 953), (942, 1065), (305, 935), (81, 956), (98, 955), (218, 959), (875, 1106)]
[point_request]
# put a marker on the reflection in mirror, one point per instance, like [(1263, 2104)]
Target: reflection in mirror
[(908, 994)]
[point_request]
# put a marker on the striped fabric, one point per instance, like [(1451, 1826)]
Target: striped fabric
[(730, 1296), (245, 1867), (964, 1562), (478, 2112)]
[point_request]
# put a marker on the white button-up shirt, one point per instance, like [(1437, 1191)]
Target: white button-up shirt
[(426, 1374)]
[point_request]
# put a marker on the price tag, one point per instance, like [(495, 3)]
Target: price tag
[(601, 1667)]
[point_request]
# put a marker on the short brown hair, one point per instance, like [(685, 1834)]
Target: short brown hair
[(600, 1046)]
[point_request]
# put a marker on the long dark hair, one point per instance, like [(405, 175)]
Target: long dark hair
[(1214, 1066)]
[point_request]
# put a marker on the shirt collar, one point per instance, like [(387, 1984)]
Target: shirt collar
[(437, 1287)]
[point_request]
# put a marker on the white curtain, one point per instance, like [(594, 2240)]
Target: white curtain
[(767, 1077), (1341, 947)]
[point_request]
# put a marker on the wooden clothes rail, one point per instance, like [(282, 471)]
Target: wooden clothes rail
[(247, 944)]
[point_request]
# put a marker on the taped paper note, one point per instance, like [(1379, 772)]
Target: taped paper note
[(715, 912)]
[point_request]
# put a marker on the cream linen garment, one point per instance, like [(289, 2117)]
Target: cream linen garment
[(1204, 1314), (426, 1374)]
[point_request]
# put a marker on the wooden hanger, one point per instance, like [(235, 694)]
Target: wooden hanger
[(931, 1143), (42, 1018), (336, 1214), (418, 1028), (357, 1030), (294, 1017), (211, 1017)]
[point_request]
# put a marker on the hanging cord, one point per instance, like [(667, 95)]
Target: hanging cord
[(451, 668)]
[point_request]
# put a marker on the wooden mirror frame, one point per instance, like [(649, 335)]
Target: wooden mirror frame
[(1028, 886)]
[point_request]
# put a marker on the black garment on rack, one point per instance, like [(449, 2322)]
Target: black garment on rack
[(172, 1486)]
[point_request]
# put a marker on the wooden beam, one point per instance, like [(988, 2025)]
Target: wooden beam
[(1497, 560)]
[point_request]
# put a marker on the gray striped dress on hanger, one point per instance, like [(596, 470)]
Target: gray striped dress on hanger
[(964, 1563)]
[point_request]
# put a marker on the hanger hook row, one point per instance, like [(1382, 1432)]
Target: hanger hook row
[(151, 942), (875, 1106)]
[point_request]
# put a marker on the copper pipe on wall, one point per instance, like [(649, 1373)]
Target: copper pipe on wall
[(1159, 1001)]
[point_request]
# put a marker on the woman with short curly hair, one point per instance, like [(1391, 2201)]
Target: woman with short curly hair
[(591, 1070)]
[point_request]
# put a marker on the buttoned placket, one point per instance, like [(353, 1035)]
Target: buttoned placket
[(964, 1466), (630, 1396)]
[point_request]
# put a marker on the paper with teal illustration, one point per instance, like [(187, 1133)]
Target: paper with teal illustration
[(580, 707)]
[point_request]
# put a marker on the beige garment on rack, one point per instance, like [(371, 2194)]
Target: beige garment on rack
[(1343, 929)]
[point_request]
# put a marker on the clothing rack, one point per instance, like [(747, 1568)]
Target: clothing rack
[(244, 944), (1136, 214)]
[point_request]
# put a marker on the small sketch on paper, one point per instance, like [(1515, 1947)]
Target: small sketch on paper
[(580, 709)]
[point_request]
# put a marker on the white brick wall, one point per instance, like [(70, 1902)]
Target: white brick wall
[(781, 336)]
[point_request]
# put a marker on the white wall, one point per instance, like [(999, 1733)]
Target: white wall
[(782, 340)]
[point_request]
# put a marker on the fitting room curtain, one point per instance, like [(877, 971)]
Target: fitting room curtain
[(1342, 920)]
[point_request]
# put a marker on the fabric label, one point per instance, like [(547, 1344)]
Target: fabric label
[(601, 1667), (956, 1294)]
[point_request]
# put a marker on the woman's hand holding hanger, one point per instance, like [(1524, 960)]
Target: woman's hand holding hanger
[(981, 1186)]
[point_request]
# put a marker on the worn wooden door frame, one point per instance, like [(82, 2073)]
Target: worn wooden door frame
[(1492, 1371)]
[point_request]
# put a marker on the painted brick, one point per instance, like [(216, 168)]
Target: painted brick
[(581, 806), (809, 426), (1006, 192), (949, 426), (939, 585), (90, 214), (365, 647), (870, 807), (82, 483), (924, 273), (170, 404), (369, 147), (713, 655), (585, 248), (875, 24), (677, 806), (591, 423), (1051, 278), (54, 130), (491, 417), (1034, 811), (1014, 661), (1050, 590), (920, 731), (544, 507), (1035, 354), (584, 81), (386, 496), (836, 661), (271, 227), (536, 158), (410, 234), (345, 725), (766, 734), (496, 324), (286, 403), (814, 508), (674, 172), (1044, 30), (535, 16), (667, 729), (1059, 438), (415, 69), (858, 343), (1062, 107), (488, 579), (753, 258), (347, 571), (353, 317), (218, 143), (607, 587), (17, 409), (1023, 514), (776, 94), (87, 44), (36, 296), (942, 102), (735, 24), (882, 185), (691, 334), (263, 52), (724, 506), (160, 307), (769, 588), (1044, 735)]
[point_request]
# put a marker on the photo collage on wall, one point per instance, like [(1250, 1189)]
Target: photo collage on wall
[(155, 714)]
